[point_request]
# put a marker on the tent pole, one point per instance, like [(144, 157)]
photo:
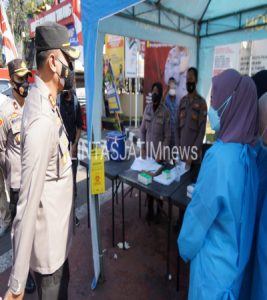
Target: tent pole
[(198, 44), (136, 106), (130, 93), (102, 277)]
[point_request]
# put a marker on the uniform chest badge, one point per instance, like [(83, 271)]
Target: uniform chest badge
[(1, 122), (17, 138), (14, 115), (182, 114), (196, 106), (194, 116)]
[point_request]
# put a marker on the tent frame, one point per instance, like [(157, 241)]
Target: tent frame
[(238, 27), (197, 25), (161, 10)]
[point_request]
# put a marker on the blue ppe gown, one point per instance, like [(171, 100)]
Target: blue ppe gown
[(217, 230), (259, 278)]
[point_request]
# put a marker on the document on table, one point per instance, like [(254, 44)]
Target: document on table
[(175, 174), (148, 165), (161, 178), (182, 168)]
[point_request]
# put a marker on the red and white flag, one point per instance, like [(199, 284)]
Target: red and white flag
[(77, 20), (9, 51)]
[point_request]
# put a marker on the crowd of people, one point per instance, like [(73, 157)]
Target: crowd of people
[(223, 233)]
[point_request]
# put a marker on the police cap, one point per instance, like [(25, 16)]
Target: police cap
[(51, 35)]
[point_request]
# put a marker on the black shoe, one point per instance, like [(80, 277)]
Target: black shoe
[(30, 285), (77, 222)]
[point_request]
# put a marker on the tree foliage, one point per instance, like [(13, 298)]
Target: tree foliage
[(18, 20), (20, 11)]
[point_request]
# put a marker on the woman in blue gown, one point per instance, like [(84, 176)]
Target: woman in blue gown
[(217, 230), (259, 278), (246, 292)]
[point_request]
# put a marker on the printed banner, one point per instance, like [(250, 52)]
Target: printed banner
[(248, 57), (110, 85), (253, 58), (73, 36), (115, 54), (97, 176), (163, 61), (226, 57), (131, 48)]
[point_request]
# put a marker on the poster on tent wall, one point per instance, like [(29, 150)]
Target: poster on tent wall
[(253, 57), (248, 57), (225, 57), (259, 56), (115, 54), (134, 52), (163, 61), (111, 90), (131, 47)]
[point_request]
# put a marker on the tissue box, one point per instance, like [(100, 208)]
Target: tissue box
[(144, 178), (166, 174)]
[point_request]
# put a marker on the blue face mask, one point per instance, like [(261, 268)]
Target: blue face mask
[(214, 114)]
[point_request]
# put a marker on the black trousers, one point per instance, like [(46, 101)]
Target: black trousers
[(14, 198), (74, 173), (53, 286)]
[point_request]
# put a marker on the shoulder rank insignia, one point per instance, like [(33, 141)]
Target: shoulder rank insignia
[(14, 115), (52, 101), (17, 138), (58, 121)]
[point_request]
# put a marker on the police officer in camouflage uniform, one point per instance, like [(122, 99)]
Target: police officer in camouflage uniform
[(155, 134), (192, 116), (43, 227)]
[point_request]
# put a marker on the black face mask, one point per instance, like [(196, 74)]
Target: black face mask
[(190, 86), (156, 98), (66, 76), (67, 95), (22, 88)]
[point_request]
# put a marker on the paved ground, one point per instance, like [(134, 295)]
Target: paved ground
[(138, 273)]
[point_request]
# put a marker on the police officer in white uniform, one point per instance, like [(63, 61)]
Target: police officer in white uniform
[(43, 227), (10, 125)]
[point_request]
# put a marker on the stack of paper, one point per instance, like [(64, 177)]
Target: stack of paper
[(147, 165), (190, 189), (162, 178)]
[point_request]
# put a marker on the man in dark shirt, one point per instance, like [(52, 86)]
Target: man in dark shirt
[(70, 111)]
